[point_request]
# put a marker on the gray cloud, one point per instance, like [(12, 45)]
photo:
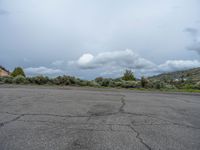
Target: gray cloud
[(58, 63), (168, 66), (3, 12), (195, 45), (192, 31), (42, 71), (176, 65), (63, 30), (116, 61)]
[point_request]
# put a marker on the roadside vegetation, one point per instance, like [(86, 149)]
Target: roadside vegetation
[(128, 80)]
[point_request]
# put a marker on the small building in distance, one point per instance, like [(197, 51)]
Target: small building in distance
[(4, 72)]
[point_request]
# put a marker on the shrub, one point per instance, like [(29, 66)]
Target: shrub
[(99, 80), (128, 76), (197, 85), (144, 82), (40, 80), (157, 84), (169, 86), (118, 83), (129, 84), (188, 86), (92, 83), (72, 80), (112, 84), (105, 82), (81, 83), (1, 80), (19, 79), (8, 80), (65, 80), (61, 80), (31, 80), (18, 71)]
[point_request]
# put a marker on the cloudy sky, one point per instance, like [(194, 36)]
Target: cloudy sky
[(89, 38)]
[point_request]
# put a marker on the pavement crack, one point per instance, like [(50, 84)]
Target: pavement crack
[(62, 116), (121, 108), (176, 124), (45, 114), (10, 121), (184, 125), (139, 137), (167, 124)]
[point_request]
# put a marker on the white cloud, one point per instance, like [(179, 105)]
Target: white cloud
[(85, 60), (175, 65), (125, 59), (115, 62), (195, 45), (57, 62), (42, 70)]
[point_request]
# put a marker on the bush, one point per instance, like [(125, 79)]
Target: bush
[(169, 86), (18, 71), (128, 76), (105, 82), (1, 80), (19, 79), (99, 80), (7, 80), (81, 82), (92, 83), (157, 84), (72, 80), (144, 82), (65, 80), (31, 80), (129, 84), (40, 80), (112, 83), (61, 80), (197, 85), (188, 86)]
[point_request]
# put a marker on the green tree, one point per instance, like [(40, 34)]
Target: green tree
[(99, 80), (18, 71), (128, 76)]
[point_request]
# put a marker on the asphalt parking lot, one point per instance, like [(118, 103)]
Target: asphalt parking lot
[(42, 118)]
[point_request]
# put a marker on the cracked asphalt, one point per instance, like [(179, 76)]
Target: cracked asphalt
[(70, 118)]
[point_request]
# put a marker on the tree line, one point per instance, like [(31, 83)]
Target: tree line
[(128, 80)]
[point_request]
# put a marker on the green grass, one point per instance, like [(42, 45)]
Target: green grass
[(170, 90)]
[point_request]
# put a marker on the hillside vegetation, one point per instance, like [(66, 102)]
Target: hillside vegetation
[(188, 80), (191, 75)]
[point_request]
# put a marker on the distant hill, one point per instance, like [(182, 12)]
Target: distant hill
[(192, 75)]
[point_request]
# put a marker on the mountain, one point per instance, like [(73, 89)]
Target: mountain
[(192, 75)]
